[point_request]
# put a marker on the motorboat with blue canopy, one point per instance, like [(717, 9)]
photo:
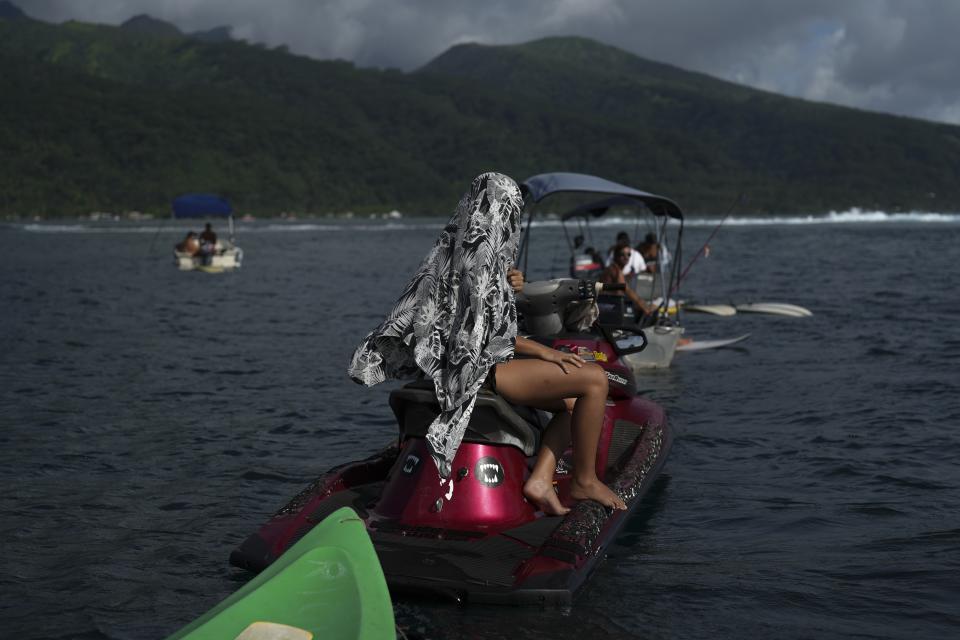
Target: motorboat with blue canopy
[(664, 220), (204, 252)]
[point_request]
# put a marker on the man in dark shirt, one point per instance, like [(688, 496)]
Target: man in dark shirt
[(208, 236)]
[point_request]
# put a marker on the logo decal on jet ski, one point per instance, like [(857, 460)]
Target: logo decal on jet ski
[(616, 378), (590, 355), (410, 464), (488, 472)]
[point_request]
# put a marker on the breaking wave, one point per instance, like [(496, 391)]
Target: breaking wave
[(852, 216)]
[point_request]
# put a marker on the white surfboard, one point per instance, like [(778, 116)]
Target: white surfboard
[(775, 308), (712, 309), (703, 345)]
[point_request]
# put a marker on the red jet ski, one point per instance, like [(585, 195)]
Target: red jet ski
[(474, 537)]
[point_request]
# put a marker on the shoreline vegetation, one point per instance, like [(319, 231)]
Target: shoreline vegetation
[(97, 118), (136, 216)]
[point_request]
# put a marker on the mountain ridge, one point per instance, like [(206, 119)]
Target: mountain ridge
[(276, 131), (144, 24), (10, 11)]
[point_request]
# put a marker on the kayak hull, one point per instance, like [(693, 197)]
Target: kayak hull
[(329, 584)]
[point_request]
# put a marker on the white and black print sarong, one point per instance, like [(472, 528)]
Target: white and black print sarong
[(456, 318)]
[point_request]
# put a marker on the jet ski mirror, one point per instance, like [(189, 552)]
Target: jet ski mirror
[(625, 339)]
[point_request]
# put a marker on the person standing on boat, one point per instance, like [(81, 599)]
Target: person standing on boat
[(456, 323), (615, 274), (208, 243), (208, 235)]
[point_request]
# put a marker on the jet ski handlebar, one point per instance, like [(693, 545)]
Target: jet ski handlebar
[(546, 304), (552, 307)]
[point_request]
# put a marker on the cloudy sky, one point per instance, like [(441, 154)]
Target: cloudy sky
[(897, 56)]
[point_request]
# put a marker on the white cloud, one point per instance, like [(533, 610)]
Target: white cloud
[(900, 56)]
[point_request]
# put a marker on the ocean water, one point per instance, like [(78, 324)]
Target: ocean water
[(151, 419)]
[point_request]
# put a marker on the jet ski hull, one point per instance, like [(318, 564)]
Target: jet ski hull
[(473, 538)]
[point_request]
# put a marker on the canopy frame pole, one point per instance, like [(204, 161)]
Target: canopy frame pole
[(662, 241), (525, 241)]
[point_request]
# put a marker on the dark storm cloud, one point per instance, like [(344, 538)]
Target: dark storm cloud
[(900, 56)]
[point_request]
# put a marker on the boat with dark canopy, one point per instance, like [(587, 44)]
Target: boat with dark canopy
[(222, 256), (661, 329)]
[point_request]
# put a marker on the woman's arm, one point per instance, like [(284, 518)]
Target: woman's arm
[(533, 348)]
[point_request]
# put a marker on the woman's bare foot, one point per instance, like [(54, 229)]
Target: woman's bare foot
[(596, 490), (541, 494)]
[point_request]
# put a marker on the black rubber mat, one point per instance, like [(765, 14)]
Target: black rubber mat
[(625, 434), (534, 533), (490, 561)]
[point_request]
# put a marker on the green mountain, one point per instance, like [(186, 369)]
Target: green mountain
[(217, 34), (98, 117), (704, 138), (148, 26), (10, 11)]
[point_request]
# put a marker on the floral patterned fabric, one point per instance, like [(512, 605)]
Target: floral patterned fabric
[(456, 318)]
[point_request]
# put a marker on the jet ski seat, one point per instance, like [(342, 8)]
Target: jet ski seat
[(494, 420)]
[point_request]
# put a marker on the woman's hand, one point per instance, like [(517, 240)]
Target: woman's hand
[(515, 279), (562, 359), (528, 347)]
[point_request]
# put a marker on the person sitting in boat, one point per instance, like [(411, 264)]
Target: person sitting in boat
[(634, 265), (189, 245), (456, 323), (649, 249), (652, 251), (615, 274), (585, 262)]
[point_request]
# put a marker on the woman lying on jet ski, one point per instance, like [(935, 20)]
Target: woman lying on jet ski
[(456, 323)]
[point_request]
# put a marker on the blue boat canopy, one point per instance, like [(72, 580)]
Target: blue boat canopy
[(201, 205), (540, 186), (600, 208)]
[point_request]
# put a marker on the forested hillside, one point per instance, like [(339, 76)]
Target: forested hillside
[(118, 118)]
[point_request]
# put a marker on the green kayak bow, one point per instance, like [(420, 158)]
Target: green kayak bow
[(329, 585)]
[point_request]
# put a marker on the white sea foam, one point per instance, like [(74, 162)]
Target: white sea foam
[(851, 217), (241, 229)]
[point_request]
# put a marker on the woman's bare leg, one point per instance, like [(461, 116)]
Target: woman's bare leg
[(539, 486), (541, 384)]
